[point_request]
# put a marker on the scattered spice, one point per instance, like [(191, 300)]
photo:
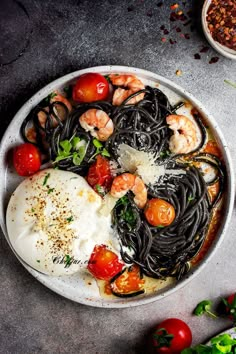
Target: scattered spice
[(179, 72), (178, 29), (214, 60), (174, 6), (172, 41), (197, 56), (221, 20), (149, 14), (187, 36), (159, 4), (166, 31), (204, 49), (163, 40), (130, 8), (162, 27)]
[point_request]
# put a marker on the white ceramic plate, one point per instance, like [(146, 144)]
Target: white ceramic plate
[(223, 50), (75, 287), (230, 331)]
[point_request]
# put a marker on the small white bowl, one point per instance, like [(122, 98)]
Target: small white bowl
[(227, 52)]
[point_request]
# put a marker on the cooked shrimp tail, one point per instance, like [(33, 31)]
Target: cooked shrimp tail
[(126, 182), (184, 138), (131, 85), (98, 123)]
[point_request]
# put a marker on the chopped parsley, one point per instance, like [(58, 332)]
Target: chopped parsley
[(50, 190), (71, 218), (46, 179), (190, 198), (38, 260)]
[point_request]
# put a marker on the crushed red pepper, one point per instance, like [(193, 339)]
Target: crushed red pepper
[(221, 19)]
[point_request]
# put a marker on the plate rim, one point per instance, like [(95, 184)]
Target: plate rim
[(229, 166)]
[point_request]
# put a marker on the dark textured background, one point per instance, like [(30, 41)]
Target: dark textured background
[(55, 38)]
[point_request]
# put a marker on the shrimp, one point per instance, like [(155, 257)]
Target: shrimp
[(184, 138), (98, 123), (55, 96), (129, 182), (133, 85)]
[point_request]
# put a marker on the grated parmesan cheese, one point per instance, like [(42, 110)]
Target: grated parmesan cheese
[(141, 163)]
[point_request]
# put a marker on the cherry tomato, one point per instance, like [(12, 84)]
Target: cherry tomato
[(172, 336), (99, 174), (26, 159), (230, 304), (158, 212), (103, 263), (90, 87)]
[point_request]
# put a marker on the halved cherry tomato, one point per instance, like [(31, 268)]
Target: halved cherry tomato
[(171, 336), (158, 212), (90, 87), (103, 263), (99, 174), (26, 159)]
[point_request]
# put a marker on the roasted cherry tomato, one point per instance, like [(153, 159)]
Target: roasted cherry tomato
[(90, 87), (99, 174), (26, 159), (172, 336), (230, 306), (103, 263), (158, 212)]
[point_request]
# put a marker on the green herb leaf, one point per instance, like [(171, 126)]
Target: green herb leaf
[(224, 343), (67, 259), (46, 179), (68, 91), (160, 226), (204, 307), (66, 146), (105, 152), (38, 260), (50, 190), (70, 219), (233, 84), (100, 190), (75, 141), (165, 154), (97, 143), (190, 198)]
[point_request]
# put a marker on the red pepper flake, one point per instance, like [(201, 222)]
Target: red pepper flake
[(166, 31), (173, 16), (163, 40), (178, 29), (187, 36), (171, 41), (160, 4), (187, 23), (197, 56), (214, 60), (174, 6), (130, 8), (149, 14), (204, 49), (162, 27)]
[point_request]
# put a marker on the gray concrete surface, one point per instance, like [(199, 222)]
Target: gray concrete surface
[(63, 36)]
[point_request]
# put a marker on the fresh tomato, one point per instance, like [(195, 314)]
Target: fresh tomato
[(172, 336), (26, 159), (230, 303), (103, 263), (158, 212), (99, 175), (90, 87)]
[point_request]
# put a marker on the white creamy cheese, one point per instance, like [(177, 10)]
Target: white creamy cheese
[(53, 219)]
